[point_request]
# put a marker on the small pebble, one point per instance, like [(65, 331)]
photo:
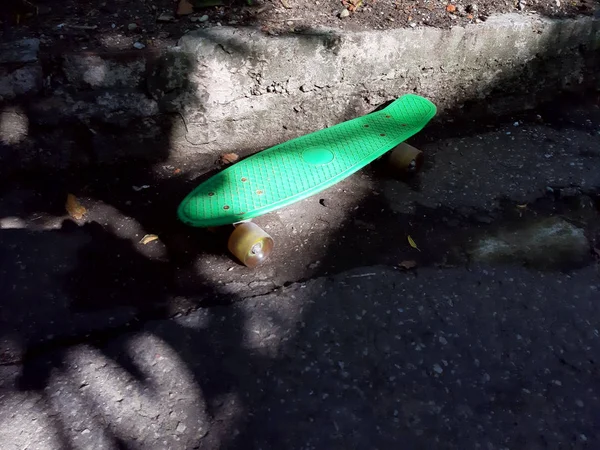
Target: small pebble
[(139, 45), (437, 368), (203, 18), (132, 26), (412, 25), (344, 13), (166, 17), (579, 403)]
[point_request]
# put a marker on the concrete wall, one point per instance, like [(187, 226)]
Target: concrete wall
[(260, 89), (237, 89)]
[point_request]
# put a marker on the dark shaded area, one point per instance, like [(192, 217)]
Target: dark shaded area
[(93, 284)]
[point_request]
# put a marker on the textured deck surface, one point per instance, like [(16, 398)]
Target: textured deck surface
[(301, 167)]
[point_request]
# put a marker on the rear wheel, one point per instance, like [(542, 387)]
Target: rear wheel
[(250, 244), (406, 159)]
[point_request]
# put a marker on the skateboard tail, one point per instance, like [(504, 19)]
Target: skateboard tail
[(426, 108)]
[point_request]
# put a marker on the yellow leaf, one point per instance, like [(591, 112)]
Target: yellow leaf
[(412, 243), (149, 238), (75, 209), (410, 264)]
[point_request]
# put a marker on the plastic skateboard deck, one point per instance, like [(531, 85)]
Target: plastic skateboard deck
[(304, 166)]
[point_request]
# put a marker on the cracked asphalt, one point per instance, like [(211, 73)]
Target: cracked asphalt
[(108, 343)]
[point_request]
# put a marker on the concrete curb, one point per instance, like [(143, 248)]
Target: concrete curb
[(260, 90), (237, 89)]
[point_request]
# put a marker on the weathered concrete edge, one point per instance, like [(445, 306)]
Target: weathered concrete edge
[(237, 89), (254, 90)]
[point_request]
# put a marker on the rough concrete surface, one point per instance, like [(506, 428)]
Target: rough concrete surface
[(542, 244), (22, 51), (20, 72), (517, 161), (98, 72), (371, 358), (260, 90)]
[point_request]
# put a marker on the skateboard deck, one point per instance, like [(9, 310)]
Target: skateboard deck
[(304, 166)]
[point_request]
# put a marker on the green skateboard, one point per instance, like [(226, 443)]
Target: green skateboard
[(299, 168)]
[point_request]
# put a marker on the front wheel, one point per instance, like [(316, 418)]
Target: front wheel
[(406, 159), (250, 244)]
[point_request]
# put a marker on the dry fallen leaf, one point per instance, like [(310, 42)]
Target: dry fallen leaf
[(285, 4), (412, 243), (450, 8), (410, 264), (75, 209), (354, 5), (229, 158), (149, 238), (470, 16), (177, 171), (184, 8)]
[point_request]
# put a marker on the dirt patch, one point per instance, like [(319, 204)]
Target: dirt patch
[(123, 24)]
